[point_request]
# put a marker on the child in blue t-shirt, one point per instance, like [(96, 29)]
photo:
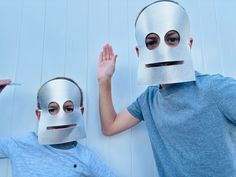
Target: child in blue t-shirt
[(29, 157)]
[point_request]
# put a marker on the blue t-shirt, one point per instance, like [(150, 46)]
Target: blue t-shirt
[(191, 126), (29, 159)]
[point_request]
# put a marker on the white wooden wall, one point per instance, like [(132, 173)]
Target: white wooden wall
[(41, 39)]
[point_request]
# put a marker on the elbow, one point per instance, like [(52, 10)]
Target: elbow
[(107, 132)]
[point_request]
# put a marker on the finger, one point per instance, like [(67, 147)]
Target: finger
[(108, 49), (103, 53), (111, 51), (5, 82), (107, 52), (100, 57), (113, 56)]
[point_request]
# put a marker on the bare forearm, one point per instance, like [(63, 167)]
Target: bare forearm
[(111, 122), (107, 111)]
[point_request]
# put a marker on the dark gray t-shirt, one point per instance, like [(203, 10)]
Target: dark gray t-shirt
[(191, 126)]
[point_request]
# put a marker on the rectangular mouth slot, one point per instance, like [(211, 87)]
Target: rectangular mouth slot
[(166, 63), (60, 126)]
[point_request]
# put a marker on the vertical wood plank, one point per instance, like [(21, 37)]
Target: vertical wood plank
[(76, 57), (54, 49), (142, 157)]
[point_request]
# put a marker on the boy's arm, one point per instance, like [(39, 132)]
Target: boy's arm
[(223, 90), (111, 122), (3, 84), (3, 142)]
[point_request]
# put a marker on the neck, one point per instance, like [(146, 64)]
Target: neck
[(163, 86), (68, 145)]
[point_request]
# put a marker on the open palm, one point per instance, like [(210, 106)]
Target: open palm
[(107, 61)]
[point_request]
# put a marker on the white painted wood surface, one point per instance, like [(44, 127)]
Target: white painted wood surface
[(41, 39)]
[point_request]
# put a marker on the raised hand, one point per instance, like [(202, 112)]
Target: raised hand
[(4, 83), (107, 61)]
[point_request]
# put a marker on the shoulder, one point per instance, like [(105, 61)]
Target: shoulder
[(217, 80), (217, 84), (28, 138), (16, 144), (200, 77), (212, 77)]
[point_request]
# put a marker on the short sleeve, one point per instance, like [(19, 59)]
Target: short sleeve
[(135, 109), (224, 92), (7, 146), (98, 167)]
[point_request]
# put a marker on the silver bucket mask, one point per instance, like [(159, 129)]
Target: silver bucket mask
[(62, 127), (163, 34)]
